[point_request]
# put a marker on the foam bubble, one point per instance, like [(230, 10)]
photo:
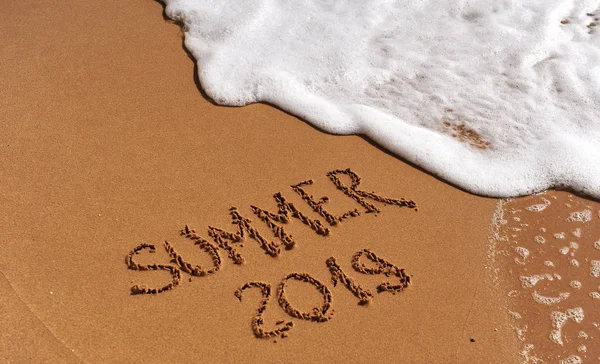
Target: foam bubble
[(558, 320), (540, 239), (539, 207), (527, 356), (521, 332), (595, 268), (500, 98), (575, 314), (572, 359), (530, 281), (577, 233), (545, 300), (522, 252), (574, 263), (559, 235), (580, 216), (557, 276), (597, 244), (575, 284)]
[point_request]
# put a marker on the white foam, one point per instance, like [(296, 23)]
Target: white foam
[(580, 216), (545, 300), (515, 315), (595, 268), (576, 314), (559, 319), (574, 263), (539, 207), (522, 252), (521, 331), (530, 281), (572, 359), (509, 71), (597, 244), (528, 357)]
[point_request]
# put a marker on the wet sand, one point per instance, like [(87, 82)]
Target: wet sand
[(548, 253), (108, 144)]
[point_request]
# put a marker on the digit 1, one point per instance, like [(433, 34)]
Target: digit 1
[(338, 275)]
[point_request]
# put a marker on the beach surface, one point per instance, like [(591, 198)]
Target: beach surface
[(108, 144), (546, 250)]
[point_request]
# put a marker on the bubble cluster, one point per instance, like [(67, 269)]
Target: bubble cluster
[(595, 268), (580, 216), (553, 281), (544, 300), (572, 359)]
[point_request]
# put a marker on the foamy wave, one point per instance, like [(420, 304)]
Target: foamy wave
[(498, 97)]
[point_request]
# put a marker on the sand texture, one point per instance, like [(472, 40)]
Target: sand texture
[(548, 254), (108, 145)]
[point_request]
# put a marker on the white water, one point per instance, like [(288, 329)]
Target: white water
[(509, 70)]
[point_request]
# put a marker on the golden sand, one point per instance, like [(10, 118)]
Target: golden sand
[(120, 243)]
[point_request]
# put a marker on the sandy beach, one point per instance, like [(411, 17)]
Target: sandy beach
[(108, 144)]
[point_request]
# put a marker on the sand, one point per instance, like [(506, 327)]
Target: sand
[(108, 143), (547, 253)]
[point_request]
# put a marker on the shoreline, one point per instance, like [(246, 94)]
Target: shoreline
[(108, 145)]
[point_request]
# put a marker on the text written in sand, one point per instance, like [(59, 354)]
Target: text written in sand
[(225, 241)]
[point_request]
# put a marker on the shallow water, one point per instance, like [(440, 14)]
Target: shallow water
[(548, 260)]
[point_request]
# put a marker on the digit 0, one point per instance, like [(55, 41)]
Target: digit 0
[(319, 314)]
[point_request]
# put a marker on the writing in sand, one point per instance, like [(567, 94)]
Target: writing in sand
[(225, 241)]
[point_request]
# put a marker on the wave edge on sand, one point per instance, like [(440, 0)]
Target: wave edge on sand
[(498, 99)]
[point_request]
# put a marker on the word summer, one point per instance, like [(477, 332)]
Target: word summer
[(225, 241)]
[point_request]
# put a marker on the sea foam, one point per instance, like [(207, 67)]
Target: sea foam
[(499, 97)]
